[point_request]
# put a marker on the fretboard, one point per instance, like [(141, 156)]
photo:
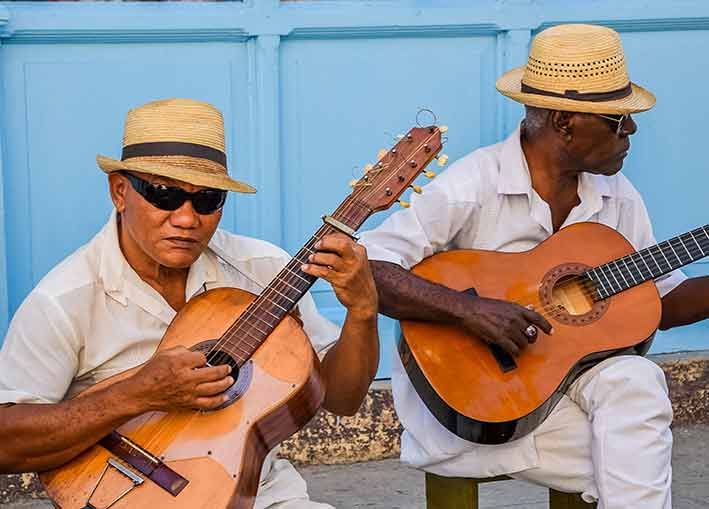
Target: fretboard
[(650, 263), (282, 294)]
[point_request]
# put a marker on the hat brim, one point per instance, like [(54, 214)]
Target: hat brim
[(510, 85), (165, 169)]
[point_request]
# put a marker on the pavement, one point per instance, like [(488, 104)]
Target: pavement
[(388, 485)]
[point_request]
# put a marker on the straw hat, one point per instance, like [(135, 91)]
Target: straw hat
[(177, 138), (576, 68)]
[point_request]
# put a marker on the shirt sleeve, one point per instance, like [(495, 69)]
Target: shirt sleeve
[(39, 356), (430, 224), (635, 225)]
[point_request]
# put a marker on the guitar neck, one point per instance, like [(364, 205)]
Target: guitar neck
[(282, 294), (650, 263)]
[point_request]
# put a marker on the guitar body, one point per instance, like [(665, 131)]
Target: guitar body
[(483, 400), (219, 454)]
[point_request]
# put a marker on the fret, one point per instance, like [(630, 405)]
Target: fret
[(615, 278), (271, 302), (691, 257), (620, 271), (629, 271), (669, 242), (296, 274), (685, 248), (697, 243), (282, 295), (607, 281), (663, 255), (293, 287), (652, 257), (597, 281), (649, 270), (264, 321), (632, 259)]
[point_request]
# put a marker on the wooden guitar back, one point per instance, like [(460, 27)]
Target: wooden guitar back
[(220, 453)]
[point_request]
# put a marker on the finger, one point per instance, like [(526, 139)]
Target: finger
[(320, 271), (213, 388), (209, 402), (336, 243), (193, 359), (536, 319), (508, 346), (329, 260), (210, 374), (519, 338)]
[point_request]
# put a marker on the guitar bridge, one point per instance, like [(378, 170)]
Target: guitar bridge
[(145, 463), (135, 479)]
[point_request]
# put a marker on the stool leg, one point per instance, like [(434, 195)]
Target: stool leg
[(451, 492), (560, 500)]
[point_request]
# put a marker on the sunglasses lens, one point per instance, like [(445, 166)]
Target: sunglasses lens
[(208, 201), (165, 198), (204, 202)]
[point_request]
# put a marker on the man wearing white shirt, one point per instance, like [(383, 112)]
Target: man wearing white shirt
[(106, 307), (609, 436)]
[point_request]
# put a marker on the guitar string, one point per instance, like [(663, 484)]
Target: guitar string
[(345, 208), (348, 207)]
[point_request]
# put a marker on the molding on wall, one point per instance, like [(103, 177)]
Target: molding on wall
[(399, 31), (113, 35), (642, 25), (267, 131)]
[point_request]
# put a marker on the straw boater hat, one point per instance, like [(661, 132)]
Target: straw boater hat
[(177, 138), (576, 68)]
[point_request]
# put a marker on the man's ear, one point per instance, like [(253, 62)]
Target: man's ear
[(118, 187), (563, 124)]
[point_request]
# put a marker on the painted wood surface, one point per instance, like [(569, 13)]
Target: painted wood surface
[(310, 90)]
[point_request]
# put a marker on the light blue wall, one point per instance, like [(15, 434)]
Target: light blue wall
[(310, 90)]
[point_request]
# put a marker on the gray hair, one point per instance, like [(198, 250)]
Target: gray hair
[(535, 120)]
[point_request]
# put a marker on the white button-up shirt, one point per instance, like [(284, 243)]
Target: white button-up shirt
[(92, 316), (486, 201)]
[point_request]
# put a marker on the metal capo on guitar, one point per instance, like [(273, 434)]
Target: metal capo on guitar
[(340, 226)]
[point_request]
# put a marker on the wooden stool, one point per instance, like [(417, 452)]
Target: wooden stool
[(462, 493)]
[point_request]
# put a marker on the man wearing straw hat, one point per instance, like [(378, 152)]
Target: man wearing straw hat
[(105, 308), (609, 437)]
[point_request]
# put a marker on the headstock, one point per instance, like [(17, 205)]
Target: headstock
[(397, 168)]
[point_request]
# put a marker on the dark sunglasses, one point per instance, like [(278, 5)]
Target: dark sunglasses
[(616, 121), (206, 201)]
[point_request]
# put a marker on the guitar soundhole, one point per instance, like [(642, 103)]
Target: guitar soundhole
[(242, 375), (569, 297)]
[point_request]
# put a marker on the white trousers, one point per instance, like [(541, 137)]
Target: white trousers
[(283, 488), (610, 439)]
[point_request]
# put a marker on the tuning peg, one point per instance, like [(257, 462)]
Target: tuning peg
[(443, 128), (442, 159), (353, 182), (399, 136), (417, 189), (381, 153), (429, 174), (404, 204), (368, 167)]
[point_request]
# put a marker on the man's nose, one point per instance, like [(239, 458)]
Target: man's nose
[(185, 216), (629, 126)]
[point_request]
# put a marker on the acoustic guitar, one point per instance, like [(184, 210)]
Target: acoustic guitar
[(587, 280), (212, 460)]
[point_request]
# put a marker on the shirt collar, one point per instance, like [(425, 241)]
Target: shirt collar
[(115, 272), (515, 177)]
